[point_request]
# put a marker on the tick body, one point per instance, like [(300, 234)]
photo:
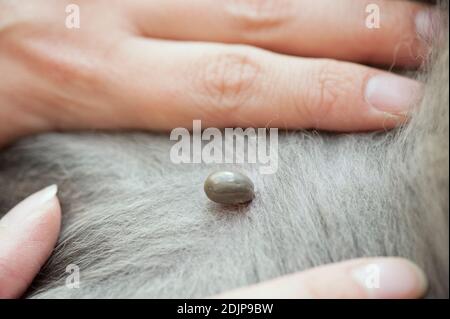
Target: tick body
[(228, 187)]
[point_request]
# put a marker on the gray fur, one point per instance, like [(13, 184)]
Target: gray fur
[(139, 226)]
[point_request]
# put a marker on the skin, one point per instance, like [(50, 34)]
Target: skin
[(157, 65)]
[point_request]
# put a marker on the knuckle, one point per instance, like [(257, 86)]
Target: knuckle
[(331, 85), (259, 14), (42, 52), (227, 80)]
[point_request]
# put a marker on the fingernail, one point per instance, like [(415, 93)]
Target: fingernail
[(392, 93), (31, 206), (391, 279), (426, 24)]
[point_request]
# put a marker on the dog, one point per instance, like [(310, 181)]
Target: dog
[(136, 225)]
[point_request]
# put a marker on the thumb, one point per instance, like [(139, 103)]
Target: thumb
[(28, 234)]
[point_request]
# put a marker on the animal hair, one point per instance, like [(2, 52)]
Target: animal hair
[(139, 226)]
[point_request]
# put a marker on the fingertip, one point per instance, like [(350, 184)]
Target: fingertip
[(392, 93), (391, 278), (29, 233), (53, 214)]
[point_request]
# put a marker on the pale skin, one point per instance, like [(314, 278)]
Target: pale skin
[(160, 64)]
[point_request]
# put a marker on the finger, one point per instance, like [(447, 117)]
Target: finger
[(28, 234), (382, 278), (344, 30), (154, 86)]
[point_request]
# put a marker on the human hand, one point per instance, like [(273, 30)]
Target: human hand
[(160, 64)]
